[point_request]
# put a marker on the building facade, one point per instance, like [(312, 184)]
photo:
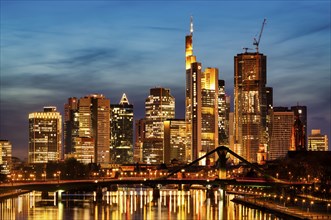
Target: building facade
[(175, 140), (317, 141), (5, 156), (45, 136), (299, 135), (281, 132), (159, 106), (94, 122), (223, 114), (201, 102), (250, 104), (121, 132), (71, 125)]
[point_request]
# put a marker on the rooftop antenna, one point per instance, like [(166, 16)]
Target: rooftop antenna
[(191, 26)]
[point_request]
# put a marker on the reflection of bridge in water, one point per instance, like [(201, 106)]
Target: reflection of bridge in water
[(158, 183)]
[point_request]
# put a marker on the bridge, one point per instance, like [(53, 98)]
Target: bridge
[(219, 182)]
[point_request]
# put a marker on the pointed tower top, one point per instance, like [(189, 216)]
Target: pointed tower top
[(124, 100), (191, 26)]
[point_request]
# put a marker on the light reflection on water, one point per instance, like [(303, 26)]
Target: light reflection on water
[(129, 203)]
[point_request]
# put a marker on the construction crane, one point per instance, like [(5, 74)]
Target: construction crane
[(257, 42)]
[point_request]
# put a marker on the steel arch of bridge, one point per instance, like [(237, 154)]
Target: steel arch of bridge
[(221, 152)]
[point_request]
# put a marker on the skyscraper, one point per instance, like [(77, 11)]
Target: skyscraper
[(121, 132), (223, 114), (70, 124), (159, 106), (139, 140), (250, 104), (94, 122), (201, 100), (281, 130), (45, 135), (300, 127)]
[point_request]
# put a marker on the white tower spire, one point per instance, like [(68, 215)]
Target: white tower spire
[(191, 26)]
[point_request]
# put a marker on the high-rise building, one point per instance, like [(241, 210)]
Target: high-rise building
[(159, 106), (84, 149), (317, 141), (201, 100), (5, 156), (300, 128), (281, 130), (121, 132), (139, 140), (175, 140), (94, 122), (223, 114), (45, 136), (70, 124), (250, 104)]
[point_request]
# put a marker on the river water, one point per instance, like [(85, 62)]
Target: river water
[(128, 203)]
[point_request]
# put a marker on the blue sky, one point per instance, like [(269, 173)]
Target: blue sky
[(53, 50)]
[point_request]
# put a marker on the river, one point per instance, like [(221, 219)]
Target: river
[(129, 203)]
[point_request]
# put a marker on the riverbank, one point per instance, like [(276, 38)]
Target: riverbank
[(281, 211)]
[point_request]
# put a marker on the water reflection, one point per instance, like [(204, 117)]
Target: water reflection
[(128, 203)]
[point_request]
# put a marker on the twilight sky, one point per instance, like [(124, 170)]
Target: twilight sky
[(53, 50)]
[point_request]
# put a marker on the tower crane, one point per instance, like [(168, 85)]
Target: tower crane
[(257, 42)]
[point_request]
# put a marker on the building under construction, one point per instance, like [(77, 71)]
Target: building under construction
[(250, 100)]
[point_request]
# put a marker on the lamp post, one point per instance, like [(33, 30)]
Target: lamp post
[(311, 205), (303, 201)]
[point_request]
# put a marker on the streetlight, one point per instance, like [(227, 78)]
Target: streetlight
[(311, 205), (303, 201)]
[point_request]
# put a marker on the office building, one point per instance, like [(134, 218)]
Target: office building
[(175, 140), (45, 136), (71, 124), (5, 156), (250, 104), (299, 128), (84, 149), (223, 114), (121, 132), (159, 106), (201, 101), (281, 132), (317, 141), (94, 122), (139, 140)]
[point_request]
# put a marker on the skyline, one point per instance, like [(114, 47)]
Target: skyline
[(49, 51)]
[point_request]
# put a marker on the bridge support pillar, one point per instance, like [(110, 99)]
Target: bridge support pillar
[(210, 194), (97, 195), (156, 193), (221, 164), (222, 173), (112, 188), (186, 187), (44, 195), (222, 193)]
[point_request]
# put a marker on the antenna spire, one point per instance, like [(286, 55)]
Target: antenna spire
[(191, 26)]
